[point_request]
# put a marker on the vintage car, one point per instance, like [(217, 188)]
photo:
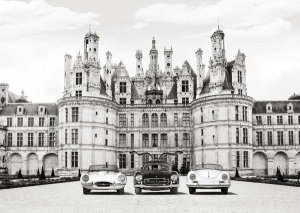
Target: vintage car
[(156, 176), (103, 177), (208, 176)]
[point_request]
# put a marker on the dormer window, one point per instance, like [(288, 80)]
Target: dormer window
[(42, 110), (185, 86), (20, 110), (269, 108), (122, 87), (290, 107)]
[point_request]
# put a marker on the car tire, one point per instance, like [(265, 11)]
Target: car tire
[(192, 190), (174, 190), (120, 191), (85, 191), (224, 190), (138, 190)]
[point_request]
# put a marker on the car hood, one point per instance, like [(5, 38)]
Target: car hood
[(103, 176), (208, 173), (156, 174)]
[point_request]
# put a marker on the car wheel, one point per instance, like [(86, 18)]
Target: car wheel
[(192, 190), (85, 191), (120, 191), (174, 190), (224, 190), (138, 190)]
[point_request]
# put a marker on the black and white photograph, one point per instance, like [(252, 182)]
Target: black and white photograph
[(145, 106)]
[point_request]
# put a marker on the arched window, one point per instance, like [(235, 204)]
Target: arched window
[(154, 120), (157, 101), (145, 120), (149, 101), (163, 120)]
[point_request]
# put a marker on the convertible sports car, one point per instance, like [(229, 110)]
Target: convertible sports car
[(156, 176), (208, 176), (103, 177)]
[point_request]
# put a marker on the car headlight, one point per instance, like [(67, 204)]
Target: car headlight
[(85, 178), (138, 178), (121, 178), (224, 177), (192, 176), (174, 177)]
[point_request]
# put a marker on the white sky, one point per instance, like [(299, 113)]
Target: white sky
[(35, 35)]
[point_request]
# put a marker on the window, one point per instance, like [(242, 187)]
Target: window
[(122, 161), (145, 120), (123, 101), (122, 120), (132, 161), (185, 100), (30, 139), (132, 140), (259, 138), (74, 159), (9, 122), (145, 140), (236, 113), (186, 140), (19, 139), (202, 132), (145, 159), (269, 120), (132, 120), (186, 160), (74, 136), (52, 139), (41, 121), (237, 133), (185, 86), (66, 136), (245, 136), (291, 138), (74, 114), (20, 122), (185, 119), (9, 139), (176, 140), (280, 138), (154, 120), (270, 138), (202, 119), (279, 120), (298, 119), (258, 120), (122, 87), (67, 115), (163, 140), (240, 92), (299, 137), (237, 158), (240, 80), (52, 121), (245, 114), (213, 115), (106, 120), (30, 121), (41, 139), (78, 78), (66, 159), (175, 119), (122, 140), (290, 119), (78, 93), (246, 159), (154, 140), (163, 120), (106, 142)]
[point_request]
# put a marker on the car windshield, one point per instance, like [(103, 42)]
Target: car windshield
[(156, 167), (98, 168), (208, 166)]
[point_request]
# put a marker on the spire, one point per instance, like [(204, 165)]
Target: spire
[(153, 43), (218, 24)]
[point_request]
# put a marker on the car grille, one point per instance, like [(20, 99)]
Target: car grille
[(103, 184), (156, 181)]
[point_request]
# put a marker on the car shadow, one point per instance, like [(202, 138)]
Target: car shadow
[(109, 193), (161, 193), (213, 193)]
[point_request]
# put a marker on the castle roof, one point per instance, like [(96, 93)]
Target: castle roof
[(30, 108), (173, 92), (294, 97), (277, 106)]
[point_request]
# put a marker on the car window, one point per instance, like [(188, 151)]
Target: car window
[(98, 168), (208, 166), (156, 167)]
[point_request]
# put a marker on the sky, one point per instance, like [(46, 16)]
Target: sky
[(36, 34)]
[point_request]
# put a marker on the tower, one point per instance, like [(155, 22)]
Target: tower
[(153, 56), (108, 73), (91, 48), (239, 74), (67, 73), (200, 71), (139, 68), (3, 95), (168, 53)]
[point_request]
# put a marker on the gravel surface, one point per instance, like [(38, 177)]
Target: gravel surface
[(68, 197)]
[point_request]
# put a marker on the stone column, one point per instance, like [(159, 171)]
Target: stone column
[(291, 166), (270, 166)]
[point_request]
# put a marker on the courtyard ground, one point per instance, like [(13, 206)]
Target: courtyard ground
[(68, 197)]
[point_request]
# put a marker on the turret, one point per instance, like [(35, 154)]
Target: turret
[(153, 56), (3, 95), (108, 73), (239, 74), (168, 53), (200, 71), (91, 48), (139, 68), (67, 74)]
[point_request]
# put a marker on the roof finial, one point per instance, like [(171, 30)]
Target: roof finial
[(22, 93), (218, 24)]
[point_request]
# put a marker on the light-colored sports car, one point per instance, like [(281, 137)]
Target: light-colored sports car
[(103, 177), (208, 176)]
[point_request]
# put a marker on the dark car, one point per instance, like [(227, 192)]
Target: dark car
[(156, 176)]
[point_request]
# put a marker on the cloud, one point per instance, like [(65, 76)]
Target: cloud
[(138, 26), (19, 18)]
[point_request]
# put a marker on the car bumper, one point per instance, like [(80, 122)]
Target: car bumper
[(114, 186), (208, 186), (156, 188)]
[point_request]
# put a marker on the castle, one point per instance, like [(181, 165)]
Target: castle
[(104, 114)]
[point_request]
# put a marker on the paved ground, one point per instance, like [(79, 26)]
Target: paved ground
[(68, 197)]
